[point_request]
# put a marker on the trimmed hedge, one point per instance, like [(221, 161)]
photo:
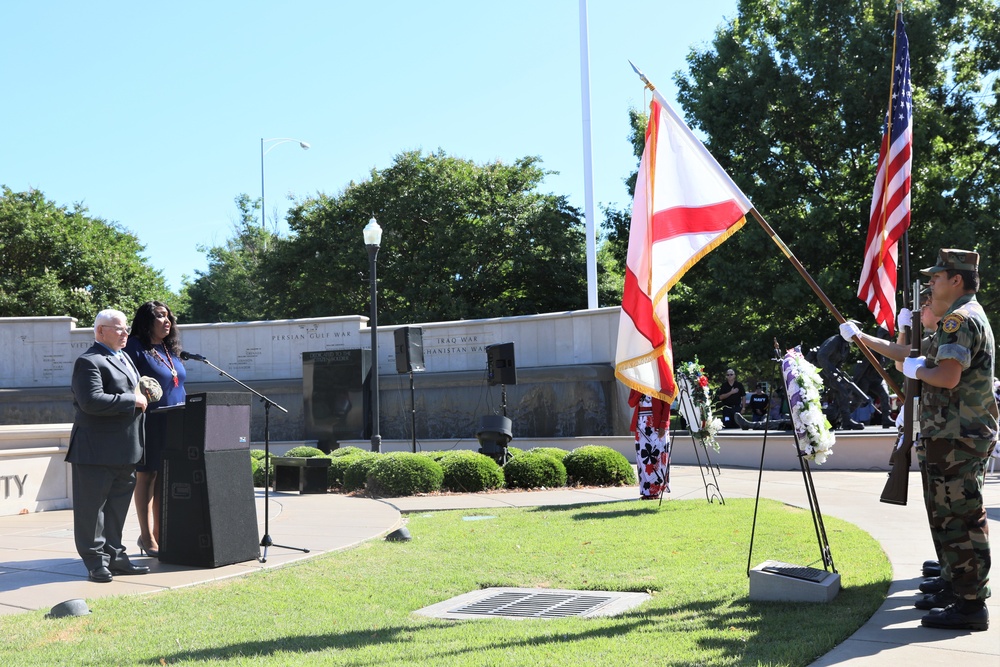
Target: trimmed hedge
[(531, 470), (304, 452), (470, 472), (257, 454), (403, 474), (596, 465), (337, 472), (348, 451), (356, 473), (555, 452)]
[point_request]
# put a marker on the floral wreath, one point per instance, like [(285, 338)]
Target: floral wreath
[(805, 386), (702, 424)]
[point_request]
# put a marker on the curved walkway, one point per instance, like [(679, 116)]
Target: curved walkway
[(39, 567)]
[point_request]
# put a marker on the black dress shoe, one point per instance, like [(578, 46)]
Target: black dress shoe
[(126, 567), (938, 600), (933, 585), (964, 615), (101, 575)]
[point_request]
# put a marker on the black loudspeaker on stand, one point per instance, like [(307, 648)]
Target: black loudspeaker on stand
[(409, 358), (265, 542), (496, 431)]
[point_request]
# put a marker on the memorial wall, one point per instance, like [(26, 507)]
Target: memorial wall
[(564, 362)]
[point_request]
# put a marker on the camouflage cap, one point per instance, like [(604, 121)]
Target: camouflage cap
[(950, 259)]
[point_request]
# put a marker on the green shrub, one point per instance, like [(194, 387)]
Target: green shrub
[(596, 465), (530, 470), (258, 469), (337, 472), (257, 454), (356, 473), (349, 451), (514, 451), (555, 452), (470, 472), (304, 452), (404, 474), (438, 454)]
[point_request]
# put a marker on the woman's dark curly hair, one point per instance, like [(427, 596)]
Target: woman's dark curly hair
[(142, 325)]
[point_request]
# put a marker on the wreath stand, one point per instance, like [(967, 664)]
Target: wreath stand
[(690, 414), (774, 580)]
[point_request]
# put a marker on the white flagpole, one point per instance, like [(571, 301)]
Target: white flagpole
[(588, 159)]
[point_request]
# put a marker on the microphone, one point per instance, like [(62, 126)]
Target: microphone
[(185, 355)]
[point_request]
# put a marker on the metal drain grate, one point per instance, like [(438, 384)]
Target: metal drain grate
[(796, 571), (519, 603), (534, 605)]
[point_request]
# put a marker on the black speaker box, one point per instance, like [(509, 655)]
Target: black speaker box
[(409, 349), (500, 367), (208, 515), (217, 421)]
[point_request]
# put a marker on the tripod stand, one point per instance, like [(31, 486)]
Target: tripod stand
[(817, 517), (266, 541), (693, 418)]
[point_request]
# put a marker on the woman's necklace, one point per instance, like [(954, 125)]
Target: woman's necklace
[(169, 363)]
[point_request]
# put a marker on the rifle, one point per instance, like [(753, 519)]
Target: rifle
[(896, 486)]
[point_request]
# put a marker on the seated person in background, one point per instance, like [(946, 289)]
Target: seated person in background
[(759, 402)]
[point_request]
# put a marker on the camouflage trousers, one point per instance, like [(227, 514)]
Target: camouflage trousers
[(955, 474)]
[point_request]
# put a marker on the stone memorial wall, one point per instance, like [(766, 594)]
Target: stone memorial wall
[(565, 363)]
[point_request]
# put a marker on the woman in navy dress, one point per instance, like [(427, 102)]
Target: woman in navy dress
[(154, 346)]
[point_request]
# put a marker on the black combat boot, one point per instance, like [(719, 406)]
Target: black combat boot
[(938, 600), (962, 615), (931, 568), (933, 585)]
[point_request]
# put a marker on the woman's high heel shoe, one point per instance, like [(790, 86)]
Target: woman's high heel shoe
[(143, 550)]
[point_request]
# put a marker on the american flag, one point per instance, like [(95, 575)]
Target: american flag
[(890, 210)]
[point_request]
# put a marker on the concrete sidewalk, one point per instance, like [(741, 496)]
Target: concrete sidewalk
[(39, 567)]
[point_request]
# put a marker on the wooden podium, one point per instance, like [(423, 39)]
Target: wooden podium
[(208, 515)]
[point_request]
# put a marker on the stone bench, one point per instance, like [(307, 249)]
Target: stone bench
[(302, 474)]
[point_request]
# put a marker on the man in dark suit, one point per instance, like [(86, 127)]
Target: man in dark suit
[(104, 446)]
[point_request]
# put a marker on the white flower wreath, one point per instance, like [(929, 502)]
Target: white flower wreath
[(696, 403), (805, 387)]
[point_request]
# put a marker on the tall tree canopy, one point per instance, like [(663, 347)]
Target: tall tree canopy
[(61, 262), (460, 241), (791, 95)]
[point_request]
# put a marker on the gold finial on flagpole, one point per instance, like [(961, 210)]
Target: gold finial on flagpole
[(642, 76)]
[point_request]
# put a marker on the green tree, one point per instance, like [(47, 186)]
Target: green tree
[(234, 288), (791, 95), (460, 241), (61, 262)]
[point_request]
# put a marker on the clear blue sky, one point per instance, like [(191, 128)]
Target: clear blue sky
[(151, 114)]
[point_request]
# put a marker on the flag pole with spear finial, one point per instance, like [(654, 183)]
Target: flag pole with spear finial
[(803, 272)]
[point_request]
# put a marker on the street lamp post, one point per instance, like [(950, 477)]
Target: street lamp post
[(373, 237), (276, 141)]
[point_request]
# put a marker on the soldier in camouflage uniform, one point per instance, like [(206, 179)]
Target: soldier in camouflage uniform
[(958, 429)]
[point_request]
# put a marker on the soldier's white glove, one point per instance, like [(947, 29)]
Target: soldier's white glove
[(913, 364), (905, 318), (899, 419), (849, 330)]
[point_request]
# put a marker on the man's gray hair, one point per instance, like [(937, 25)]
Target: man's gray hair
[(107, 316)]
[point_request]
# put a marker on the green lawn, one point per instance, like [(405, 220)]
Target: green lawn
[(355, 607)]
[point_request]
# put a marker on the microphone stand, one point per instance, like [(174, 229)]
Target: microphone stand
[(266, 540)]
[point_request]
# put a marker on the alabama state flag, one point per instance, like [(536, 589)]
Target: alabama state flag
[(685, 205)]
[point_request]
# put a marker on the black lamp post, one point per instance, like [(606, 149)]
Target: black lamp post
[(373, 237)]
